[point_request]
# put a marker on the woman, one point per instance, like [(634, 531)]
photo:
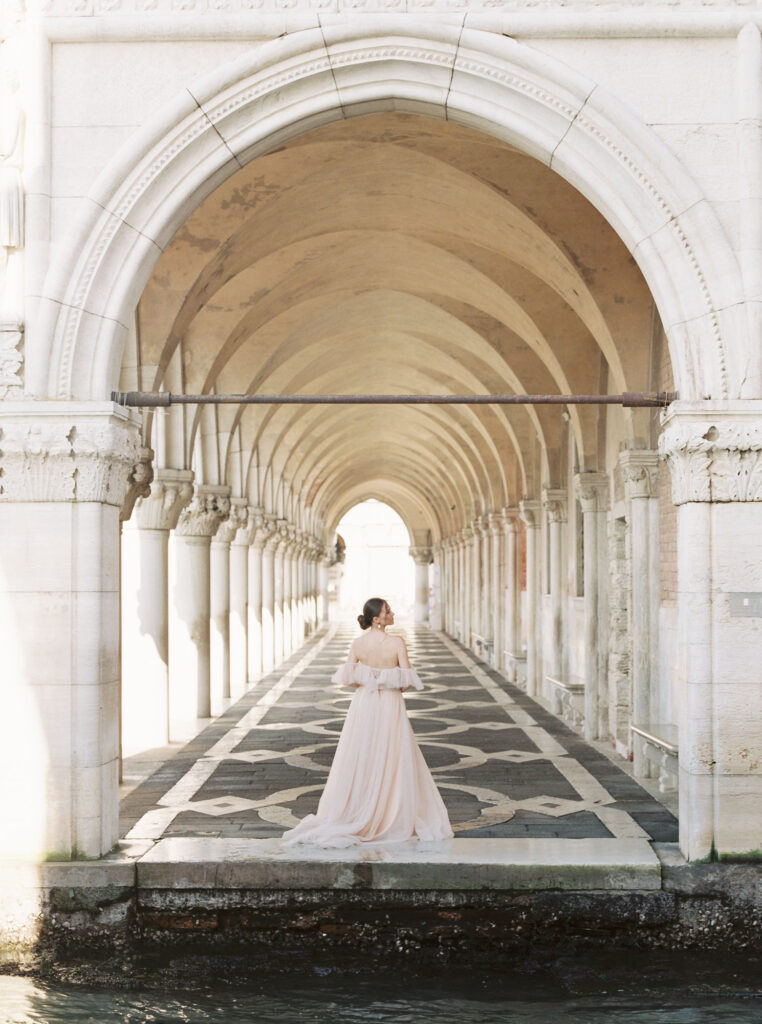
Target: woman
[(379, 789)]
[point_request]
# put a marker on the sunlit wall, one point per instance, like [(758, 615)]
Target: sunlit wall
[(377, 561)]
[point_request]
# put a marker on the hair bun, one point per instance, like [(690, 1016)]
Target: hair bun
[(363, 622)]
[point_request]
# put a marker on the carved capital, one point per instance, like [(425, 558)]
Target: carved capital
[(640, 471), (466, 536), (206, 510), (511, 517), (529, 510), (592, 491), (237, 519), (554, 503), (171, 490), (714, 454), (67, 451), (495, 523), (421, 555), (140, 480)]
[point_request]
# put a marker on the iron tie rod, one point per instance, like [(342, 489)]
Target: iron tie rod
[(162, 399)]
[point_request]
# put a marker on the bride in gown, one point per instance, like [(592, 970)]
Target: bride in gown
[(379, 788)]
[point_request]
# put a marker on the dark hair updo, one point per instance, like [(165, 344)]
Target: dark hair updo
[(372, 607)]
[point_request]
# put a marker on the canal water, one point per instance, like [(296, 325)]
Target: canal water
[(591, 988)]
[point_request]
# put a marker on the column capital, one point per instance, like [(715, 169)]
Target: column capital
[(207, 508), (140, 480), (68, 451), (495, 523), (592, 491), (640, 470), (421, 555), (714, 450), (511, 516), (171, 490), (529, 510), (554, 503), (237, 518), (466, 534)]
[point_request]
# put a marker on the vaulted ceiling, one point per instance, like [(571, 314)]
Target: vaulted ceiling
[(392, 253)]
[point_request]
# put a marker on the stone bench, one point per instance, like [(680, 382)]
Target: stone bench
[(483, 647), (655, 747), (516, 668), (567, 700)]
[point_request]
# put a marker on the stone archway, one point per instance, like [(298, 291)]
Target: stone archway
[(296, 83)]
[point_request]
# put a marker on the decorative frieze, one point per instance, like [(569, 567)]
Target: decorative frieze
[(11, 361), (61, 451), (714, 456), (204, 513), (640, 472)]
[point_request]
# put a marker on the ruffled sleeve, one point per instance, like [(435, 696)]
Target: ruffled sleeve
[(355, 673)]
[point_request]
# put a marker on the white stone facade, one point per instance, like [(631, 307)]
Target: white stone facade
[(393, 195)]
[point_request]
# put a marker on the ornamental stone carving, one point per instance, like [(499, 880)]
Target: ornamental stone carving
[(140, 480), (554, 503), (640, 472), (170, 492), (203, 515), (592, 491), (11, 361), (61, 451), (511, 517), (529, 510), (421, 555), (495, 523), (714, 455), (237, 518)]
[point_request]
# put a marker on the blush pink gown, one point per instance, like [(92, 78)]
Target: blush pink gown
[(379, 788)]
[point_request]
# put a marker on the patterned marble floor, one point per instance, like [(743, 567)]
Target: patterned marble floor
[(506, 768)]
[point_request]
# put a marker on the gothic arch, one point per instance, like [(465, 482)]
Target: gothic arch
[(298, 82)]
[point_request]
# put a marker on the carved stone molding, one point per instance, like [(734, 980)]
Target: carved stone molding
[(206, 510), (11, 361), (592, 491), (714, 454), (67, 451), (554, 503), (529, 510), (171, 490), (495, 522), (140, 480), (640, 472), (511, 517), (237, 518), (421, 556)]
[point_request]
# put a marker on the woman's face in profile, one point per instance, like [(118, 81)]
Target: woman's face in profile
[(386, 618)]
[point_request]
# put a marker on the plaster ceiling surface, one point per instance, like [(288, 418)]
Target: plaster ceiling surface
[(393, 253)]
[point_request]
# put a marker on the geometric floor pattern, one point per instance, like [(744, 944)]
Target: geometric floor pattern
[(505, 767)]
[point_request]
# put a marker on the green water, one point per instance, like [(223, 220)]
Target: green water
[(585, 988)]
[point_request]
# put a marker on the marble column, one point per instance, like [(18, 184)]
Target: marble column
[(269, 548), (436, 614), (485, 577), (467, 540), (145, 611), (189, 617), (66, 470), (554, 503), (288, 599), (323, 567), (512, 590), (640, 473), (476, 579), (421, 557), (279, 563), (239, 597), (715, 458), (219, 604), (296, 641), (530, 511), (259, 532), (592, 491), (497, 591)]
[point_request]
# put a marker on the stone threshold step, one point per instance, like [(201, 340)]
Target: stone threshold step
[(456, 864)]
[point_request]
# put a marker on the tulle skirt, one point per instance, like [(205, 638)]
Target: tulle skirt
[(379, 788)]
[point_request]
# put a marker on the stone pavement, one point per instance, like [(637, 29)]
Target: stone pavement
[(506, 768)]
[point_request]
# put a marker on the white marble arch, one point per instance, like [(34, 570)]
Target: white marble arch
[(299, 81)]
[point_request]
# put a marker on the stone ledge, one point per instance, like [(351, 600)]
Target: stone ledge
[(497, 864), (98, 874)]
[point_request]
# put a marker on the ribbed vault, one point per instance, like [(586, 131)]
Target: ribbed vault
[(392, 253)]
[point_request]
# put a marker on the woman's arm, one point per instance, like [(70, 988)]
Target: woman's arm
[(352, 659), (402, 659)]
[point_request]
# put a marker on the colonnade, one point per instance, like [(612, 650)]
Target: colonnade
[(215, 593)]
